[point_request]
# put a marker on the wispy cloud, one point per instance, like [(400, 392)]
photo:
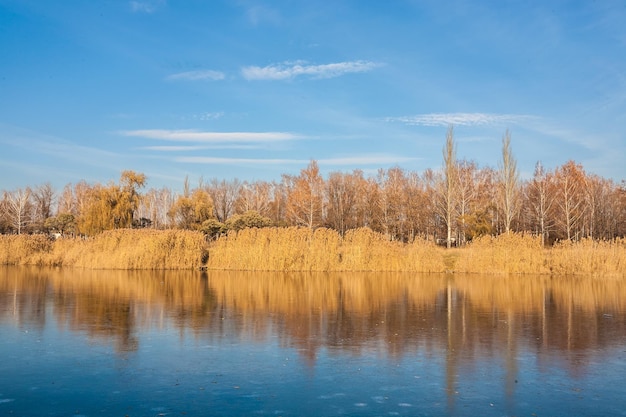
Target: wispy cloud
[(237, 161), (187, 148), (366, 160), (288, 70), (197, 75), (210, 137), (145, 6), (208, 116), (460, 119), (343, 161)]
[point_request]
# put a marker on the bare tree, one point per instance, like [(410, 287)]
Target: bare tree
[(341, 195), (466, 195), (224, 195), (254, 196), (540, 198), (570, 198), (18, 206), (43, 199), (509, 183), (447, 185)]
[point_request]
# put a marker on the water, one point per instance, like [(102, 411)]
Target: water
[(115, 343)]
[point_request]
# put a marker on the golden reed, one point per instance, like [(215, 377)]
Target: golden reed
[(301, 249), (114, 249)]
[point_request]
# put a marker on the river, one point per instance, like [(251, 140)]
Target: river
[(117, 343)]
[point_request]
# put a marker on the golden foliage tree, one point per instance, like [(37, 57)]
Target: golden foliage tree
[(109, 207), (192, 208), (305, 197)]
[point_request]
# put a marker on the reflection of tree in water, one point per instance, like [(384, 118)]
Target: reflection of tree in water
[(465, 318), (23, 296), (108, 305)]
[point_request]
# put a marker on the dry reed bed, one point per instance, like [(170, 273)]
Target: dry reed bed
[(114, 249), (300, 249), (523, 254)]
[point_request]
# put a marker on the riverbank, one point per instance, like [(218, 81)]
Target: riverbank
[(299, 249)]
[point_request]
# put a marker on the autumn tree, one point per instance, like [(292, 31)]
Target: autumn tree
[(224, 194), (277, 207), (112, 206), (98, 212), (43, 201), (155, 205), (254, 196), (66, 203), (192, 208), (248, 219), (62, 223), (128, 197), (540, 198), (483, 216), (570, 182), (466, 196), (620, 209), (305, 197), (601, 207), (341, 196), (368, 202), (399, 196)]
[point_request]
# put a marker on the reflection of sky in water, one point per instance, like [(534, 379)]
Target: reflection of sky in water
[(221, 357)]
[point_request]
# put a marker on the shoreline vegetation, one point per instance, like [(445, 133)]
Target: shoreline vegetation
[(320, 250)]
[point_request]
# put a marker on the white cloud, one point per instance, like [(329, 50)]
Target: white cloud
[(289, 70), (198, 75), (210, 137), (460, 119)]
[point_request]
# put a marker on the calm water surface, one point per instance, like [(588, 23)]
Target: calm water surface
[(112, 343)]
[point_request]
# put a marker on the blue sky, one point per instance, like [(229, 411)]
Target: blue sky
[(254, 89)]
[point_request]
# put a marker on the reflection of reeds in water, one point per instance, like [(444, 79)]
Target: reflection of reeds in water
[(108, 304), (396, 312), (303, 293)]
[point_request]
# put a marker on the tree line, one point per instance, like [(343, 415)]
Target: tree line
[(450, 205)]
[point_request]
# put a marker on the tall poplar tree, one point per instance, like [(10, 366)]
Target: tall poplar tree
[(509, 183), (449, 183)]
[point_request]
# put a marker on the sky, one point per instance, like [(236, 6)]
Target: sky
[(253, 89)]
